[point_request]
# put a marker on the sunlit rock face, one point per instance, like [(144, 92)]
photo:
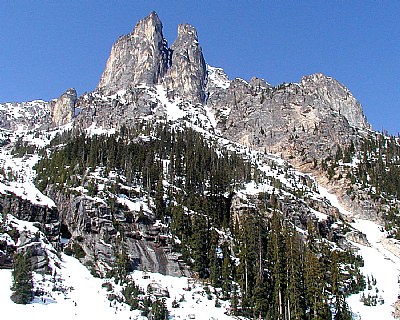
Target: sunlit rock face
[(187, 73), (64, 108), (140, 57)]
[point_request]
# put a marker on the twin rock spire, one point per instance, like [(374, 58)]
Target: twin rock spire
[(143, 57)]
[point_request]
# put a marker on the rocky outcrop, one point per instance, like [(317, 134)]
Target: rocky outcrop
[(335, 96), (300, 213), (358, 237), (186, 77), (64, 108), (45, 218), (38, 114), (302, 121), (101, 232), (25, 115), (140, 57), (16, 237), (32, 246), (116, 110)]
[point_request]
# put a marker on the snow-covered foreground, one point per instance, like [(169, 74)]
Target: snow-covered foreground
[(379, 263), (85, 297), (193, 301)]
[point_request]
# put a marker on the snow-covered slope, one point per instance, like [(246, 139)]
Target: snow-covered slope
[(25, 116), (72, 291), (89, 298), (18, 156), (86, 298), (381, 263)]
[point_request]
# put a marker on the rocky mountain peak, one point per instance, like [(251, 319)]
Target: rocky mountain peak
[(149, 27), (186, 77), (337, 97), (143, 57), (137, 58), (258, 84), (187, 32), (64, 108)]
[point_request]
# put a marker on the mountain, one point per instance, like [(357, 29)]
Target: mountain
[(144, 58), (256, 201)]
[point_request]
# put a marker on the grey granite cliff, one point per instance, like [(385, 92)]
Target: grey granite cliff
[(137, 58)]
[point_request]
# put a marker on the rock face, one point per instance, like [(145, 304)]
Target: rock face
[(187, 74), (140, 57), (335, 96), (44, 218), (302, 121), (64, 108), (358, 237), (38, 114), (91, 225)]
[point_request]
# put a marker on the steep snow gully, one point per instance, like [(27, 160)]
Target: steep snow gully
[(380, 263)]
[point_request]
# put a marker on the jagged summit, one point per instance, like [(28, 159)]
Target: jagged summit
[(137, 58), (187, 31), (187, 74), (143, 57)]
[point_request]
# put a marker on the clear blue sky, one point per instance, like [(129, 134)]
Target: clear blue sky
[(50, 46)]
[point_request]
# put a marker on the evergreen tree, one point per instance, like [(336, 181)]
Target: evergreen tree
[(200, 246), (122, 265), (295, 280), (342, 309), (314, 278), (159, 310), (22, 279), (226, 272)]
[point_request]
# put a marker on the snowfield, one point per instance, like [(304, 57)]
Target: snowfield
[(384, 266), (379, 263), (85, 298)]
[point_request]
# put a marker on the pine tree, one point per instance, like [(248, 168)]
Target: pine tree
[(200, 246), (226, 273), (234, 300), (342, 309), (215, 268), (314, 278), (122, 265), (159, 310), (278, 266), (295, 265), (22, 279)]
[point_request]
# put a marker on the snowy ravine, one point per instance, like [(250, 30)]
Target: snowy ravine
[(379, 263)]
